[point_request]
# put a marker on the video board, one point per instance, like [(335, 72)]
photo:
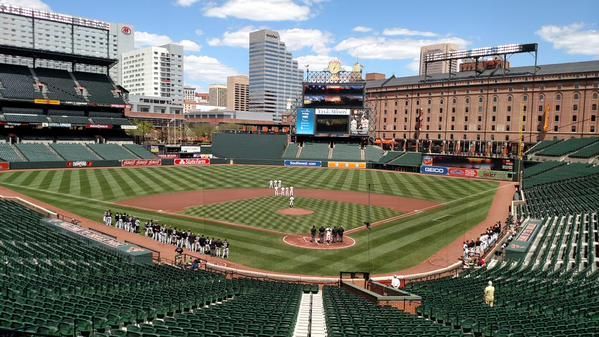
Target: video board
[(323, 95)]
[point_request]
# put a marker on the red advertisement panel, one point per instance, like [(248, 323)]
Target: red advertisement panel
[(192, 161), (80, 163), (4, 166), (462, 172), (141, 162)]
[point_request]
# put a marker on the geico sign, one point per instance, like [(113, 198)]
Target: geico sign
[(434, 170)]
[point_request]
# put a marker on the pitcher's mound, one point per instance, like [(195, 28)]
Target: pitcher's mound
[(295, 211)]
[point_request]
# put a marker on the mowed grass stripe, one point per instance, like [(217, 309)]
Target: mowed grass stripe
[(47, 180), (104, 186), (65, 182), (85, 186), (112, 185), (148, 186)]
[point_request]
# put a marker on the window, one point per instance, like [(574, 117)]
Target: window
[(494, 109), (467, 110), (592, 128), (540, 108), (440, 119), (541, 97), (465, 127), (495, 99), (594, 107), (441, 110), (509, 98), (575, 107), (465, 118), (595, 95), (525, 98), (492, 127), (480, 99), (429, 102), (593, 118), (480, 118), (467, 100), (507, 128), (417, 102), (576, 96), (557, 107), (573, 128), (452, 127), (574, 118), (539, 118), (555, 128), (492, 118), (480, 109), (509, 108), (557, 118), (453, 101), (524, 108), (453, 109), (453, 118), (558, 97)]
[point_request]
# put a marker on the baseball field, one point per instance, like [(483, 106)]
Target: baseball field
[(414, 216)]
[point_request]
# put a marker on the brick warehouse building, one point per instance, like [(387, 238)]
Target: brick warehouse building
[(486, 107)]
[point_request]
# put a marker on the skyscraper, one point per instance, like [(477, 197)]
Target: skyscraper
[(237, 93), (275, 79), (441, 67), (217, 95), (31, 28)]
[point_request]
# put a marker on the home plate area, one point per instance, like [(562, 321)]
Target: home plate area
[(302, 241)]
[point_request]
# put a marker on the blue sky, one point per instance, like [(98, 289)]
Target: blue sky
[(383, 35)]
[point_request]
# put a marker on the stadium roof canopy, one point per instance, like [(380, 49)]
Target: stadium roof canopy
[(547, 69), (57, 56)]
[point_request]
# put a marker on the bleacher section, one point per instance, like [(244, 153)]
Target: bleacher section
[(7, 153), (315, 151), (16, 82), (563, 197), (373, 153), (541, 168), (38, 152), (542, 145), (409, 159), (347, 152), (75, 152), (112, 151), (389, 156), (290, 151), (248, 146), (60, 84), (565, 147), (56, 285), (99, 88), (587, 152), (562, 172), (141, 152), (349, 315)]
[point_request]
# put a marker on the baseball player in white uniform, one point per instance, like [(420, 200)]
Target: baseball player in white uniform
[(276, 190), (270, 184), (291, 199), (280, 184), (291, 191)]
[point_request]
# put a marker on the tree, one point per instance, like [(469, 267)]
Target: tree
[(143, 129), (204, 131)]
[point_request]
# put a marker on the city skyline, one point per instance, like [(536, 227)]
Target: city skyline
[(215, 34)]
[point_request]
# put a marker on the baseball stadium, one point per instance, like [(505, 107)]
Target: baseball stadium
[(316, 226)]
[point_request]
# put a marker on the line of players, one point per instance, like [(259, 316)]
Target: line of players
[(279, 189)]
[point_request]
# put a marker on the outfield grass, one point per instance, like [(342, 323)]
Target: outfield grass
[(393, 246), (262, 213)]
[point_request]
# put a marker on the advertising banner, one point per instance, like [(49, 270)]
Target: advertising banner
[(462, 172), (305, 122), (141, 162), (79, 163), (4, 166), (435, 170), (303, 163), (168, 156), (346, 165), (342, 112), (495, 175), (98, 126), (191, 149), (477, 163), (192, 161)]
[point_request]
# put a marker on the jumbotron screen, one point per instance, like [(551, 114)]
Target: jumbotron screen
[(332, 124), (345, 95)]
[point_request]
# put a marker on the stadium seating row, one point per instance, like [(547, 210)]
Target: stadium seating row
[(37, 152), (22, 82)]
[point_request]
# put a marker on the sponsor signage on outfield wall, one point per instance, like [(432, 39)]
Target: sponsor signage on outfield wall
[(303, 163), (141, 162), (4, 166), (79, 163), (192, 161), (462, 172), (495, 175), (346, 165), (436, 170), (191, 149)]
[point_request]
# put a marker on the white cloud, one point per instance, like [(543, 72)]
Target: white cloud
[(199, 32), (294, 38), (574, 38), (397, 31), (383, 48), (261, 10), (414, 66), (316, 62), (239, 38), (190, 46), (34, 4), (362, 29), (186, 3), (145, 39), (205, 69)]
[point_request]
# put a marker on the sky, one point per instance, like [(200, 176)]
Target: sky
[(383, 35)]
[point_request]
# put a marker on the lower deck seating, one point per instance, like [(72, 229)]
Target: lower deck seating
[(140, 151), (8, 153), (290, 151), (347, 152), (112, 151), (38, 152), (75, 152), (373, 153), (317, 151)]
